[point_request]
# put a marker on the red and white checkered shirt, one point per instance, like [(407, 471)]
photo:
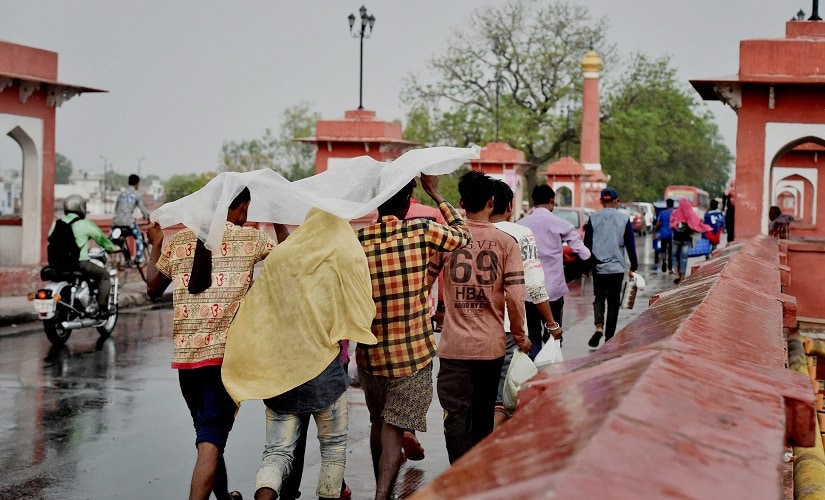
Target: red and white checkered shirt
[(398, 252)]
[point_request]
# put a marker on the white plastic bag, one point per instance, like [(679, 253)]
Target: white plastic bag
[(550, 353), (520, 371), (352, 367)]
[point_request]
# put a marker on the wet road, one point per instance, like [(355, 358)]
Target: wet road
[(106, 420)]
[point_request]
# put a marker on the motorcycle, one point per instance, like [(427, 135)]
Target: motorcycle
[(69, 301)]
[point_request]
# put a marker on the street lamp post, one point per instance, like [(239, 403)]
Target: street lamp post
[(105, 184), (366, 20), (498, 50), (105, 165)]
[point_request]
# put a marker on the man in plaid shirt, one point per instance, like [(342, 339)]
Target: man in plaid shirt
[(396, 373)]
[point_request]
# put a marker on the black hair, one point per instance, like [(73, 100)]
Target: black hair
[(133, 179), (476, 189), (714, 204), (542, 194), (244, 196), (669, 203), (398, 201), (502, 197)]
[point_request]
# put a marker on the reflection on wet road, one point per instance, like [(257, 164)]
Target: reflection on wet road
[(58, 405)]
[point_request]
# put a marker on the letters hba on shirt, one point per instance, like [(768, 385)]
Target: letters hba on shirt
[(473, 271)]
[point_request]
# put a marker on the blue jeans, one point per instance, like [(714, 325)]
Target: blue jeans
[(282, 431), (680, 256), (138, 242)]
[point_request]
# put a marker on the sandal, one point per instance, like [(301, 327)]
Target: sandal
[(235, 495)]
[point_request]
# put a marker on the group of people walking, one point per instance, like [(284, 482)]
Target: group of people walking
[(674, 234), (503, 289)]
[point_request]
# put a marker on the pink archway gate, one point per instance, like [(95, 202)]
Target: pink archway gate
[(29, 95)]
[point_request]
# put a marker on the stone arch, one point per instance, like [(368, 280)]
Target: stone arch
[(20, 243), (564, 196), (798, 182)]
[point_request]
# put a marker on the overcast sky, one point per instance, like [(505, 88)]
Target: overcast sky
[(184, 76)]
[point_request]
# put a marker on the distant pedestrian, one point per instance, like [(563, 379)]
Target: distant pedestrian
[(665, 234), (684, 222), (609, 235), (551, 232), (729, 207), (479, 278), (716, 220), (125, 206), (780, 223)]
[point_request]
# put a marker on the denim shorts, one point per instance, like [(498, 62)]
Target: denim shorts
[(212, 409)]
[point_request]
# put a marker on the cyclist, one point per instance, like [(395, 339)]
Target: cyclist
[(124, 215)]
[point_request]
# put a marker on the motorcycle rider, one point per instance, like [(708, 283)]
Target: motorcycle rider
[(124, 215), (74, 207)]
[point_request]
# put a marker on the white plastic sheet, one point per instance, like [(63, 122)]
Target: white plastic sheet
[(352, 188)]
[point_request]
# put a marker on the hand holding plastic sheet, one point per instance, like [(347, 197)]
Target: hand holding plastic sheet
[(352, 188)]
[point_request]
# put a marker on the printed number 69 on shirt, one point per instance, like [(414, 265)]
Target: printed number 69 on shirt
[(486, 263)]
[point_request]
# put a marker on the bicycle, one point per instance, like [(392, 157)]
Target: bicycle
[(123, 260)]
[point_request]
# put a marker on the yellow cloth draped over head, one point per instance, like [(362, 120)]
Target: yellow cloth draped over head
[(313, 291)]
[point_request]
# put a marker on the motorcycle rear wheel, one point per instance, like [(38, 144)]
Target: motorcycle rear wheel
[(108, 327), (56, 334)]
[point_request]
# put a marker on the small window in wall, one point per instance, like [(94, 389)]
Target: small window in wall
[(11, 178), (564, 197)]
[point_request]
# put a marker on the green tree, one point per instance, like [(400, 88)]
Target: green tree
[(296, 160), (179, 186), (146, 181), (520, 61), (62, 169), (281, 153), (447, 184), (654, 130), (248, 155), (115, 180)]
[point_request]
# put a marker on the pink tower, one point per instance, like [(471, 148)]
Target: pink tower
[(594, 179)]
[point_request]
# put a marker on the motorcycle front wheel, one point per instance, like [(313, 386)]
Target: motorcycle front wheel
[(56, 334), (108, 327)]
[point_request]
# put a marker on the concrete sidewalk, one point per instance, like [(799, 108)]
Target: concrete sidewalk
[(17, 310)]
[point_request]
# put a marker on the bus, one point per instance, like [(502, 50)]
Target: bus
[(699, 198)]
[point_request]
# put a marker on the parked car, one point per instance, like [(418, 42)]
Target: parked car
[(637, 218), (574, 267), (577, 216), (649, 214)]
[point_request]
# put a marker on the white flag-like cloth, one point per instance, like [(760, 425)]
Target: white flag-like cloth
[(352, 188)]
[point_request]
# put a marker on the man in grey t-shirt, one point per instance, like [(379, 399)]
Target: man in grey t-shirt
[(608, 235)]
